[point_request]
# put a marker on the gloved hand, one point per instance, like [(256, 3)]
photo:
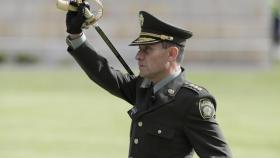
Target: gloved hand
[(75, 20)]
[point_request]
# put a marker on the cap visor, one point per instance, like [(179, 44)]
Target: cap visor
[(144, 41)]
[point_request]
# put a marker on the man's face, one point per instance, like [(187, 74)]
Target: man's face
[(153, 61)]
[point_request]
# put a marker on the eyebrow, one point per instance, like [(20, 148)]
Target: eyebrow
[(143, 47)]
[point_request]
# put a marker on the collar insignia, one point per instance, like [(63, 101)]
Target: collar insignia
[(171, 92)]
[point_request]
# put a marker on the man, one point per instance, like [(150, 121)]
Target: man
[(171, 117)]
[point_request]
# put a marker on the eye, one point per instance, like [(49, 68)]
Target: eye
[(142, 49), (145, 49)]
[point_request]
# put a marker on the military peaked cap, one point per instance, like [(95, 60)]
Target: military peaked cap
[(154, 30)]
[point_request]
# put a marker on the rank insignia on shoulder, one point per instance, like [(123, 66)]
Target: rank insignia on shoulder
[(206, 109), (194, 87)]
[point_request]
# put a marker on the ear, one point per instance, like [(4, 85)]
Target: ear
[(173, 53)]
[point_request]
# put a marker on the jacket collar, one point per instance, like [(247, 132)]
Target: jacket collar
[(164, 96), (166, 80), (146, 83), (169, 91)]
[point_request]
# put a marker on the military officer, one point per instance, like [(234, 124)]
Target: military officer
[(171, 117)]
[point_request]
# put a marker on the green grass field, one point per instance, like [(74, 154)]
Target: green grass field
[(62, 114)]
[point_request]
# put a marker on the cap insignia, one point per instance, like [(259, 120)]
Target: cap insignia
[(141, 19), (206, 109)]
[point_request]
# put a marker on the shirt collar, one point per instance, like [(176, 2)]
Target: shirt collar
[(166, 80)]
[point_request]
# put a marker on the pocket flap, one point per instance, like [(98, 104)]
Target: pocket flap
[(161, 131)]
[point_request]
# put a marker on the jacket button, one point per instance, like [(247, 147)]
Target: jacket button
[(140, 124), (159, 131), (136, 141)]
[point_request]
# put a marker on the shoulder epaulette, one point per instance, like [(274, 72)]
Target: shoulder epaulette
[(198, 89)]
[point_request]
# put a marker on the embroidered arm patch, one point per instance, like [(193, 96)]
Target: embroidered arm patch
[(206, 109)]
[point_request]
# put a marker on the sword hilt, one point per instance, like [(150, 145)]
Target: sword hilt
[(90, 17)]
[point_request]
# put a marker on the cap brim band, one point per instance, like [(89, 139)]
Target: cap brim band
[(143, 41)]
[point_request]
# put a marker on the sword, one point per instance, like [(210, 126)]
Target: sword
[(91, 20)]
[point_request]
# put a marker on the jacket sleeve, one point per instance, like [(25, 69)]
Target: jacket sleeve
[(202, 129), (99, 71)]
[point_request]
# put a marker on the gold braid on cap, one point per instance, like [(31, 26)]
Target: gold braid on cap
[(162, 37)]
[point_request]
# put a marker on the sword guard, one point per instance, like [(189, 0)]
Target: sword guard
[(91, 18)]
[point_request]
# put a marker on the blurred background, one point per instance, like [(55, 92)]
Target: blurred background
[(49, 108)]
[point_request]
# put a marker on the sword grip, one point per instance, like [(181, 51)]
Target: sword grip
[(65, 5)]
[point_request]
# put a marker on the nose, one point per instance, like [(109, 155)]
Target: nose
[(139, 55)]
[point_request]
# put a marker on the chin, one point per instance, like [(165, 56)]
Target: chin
[(141, 74)]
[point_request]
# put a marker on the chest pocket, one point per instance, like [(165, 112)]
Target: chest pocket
[(158, 140), (161, 131)]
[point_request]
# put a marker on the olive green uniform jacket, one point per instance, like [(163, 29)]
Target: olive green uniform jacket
[(168, 124)]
